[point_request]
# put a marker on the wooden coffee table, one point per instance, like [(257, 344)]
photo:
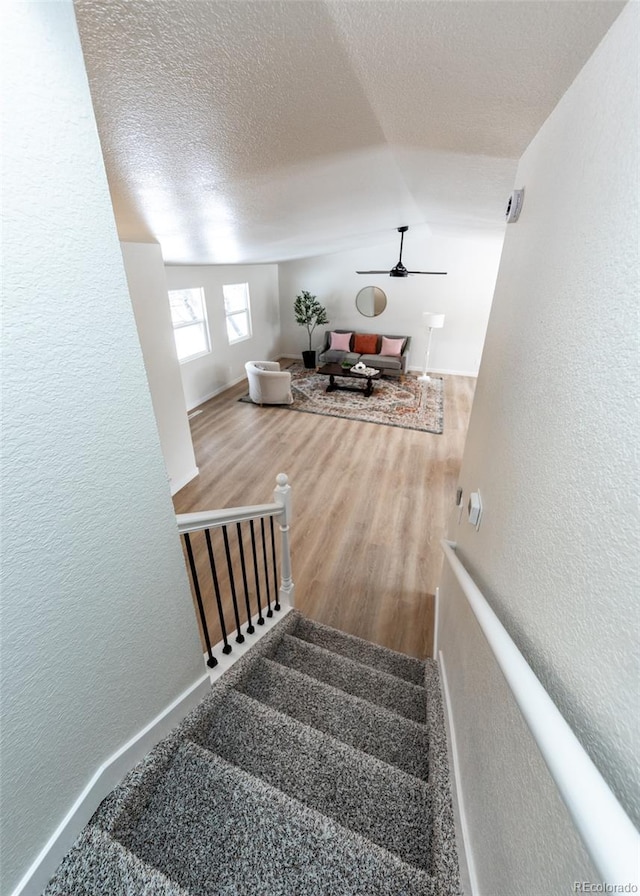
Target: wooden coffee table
[(336, 370)]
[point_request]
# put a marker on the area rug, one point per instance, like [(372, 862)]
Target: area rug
[(409, 404)]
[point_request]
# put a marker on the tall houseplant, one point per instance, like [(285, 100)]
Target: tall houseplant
[(309, 313)]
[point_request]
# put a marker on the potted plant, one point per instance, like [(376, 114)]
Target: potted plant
[(309, 313)]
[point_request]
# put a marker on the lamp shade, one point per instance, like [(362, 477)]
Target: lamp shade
[(433, 320)]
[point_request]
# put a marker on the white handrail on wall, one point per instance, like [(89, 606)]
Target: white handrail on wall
[(607, 832)]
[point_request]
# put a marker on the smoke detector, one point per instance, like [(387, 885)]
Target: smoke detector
[(514, 206)]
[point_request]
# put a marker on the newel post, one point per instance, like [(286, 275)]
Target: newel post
[(282, 496)]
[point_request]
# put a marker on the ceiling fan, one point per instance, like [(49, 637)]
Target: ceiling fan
[(399, 270)]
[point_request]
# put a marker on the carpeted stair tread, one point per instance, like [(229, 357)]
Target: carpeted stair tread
[(355, 678), (98, 865), (247, 838), (379, 732), (301, 773), (381, 658), (358, 791)]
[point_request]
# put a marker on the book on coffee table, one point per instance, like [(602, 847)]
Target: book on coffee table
[(364, 371)]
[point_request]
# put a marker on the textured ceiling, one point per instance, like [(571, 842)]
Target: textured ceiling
[(260, 131)]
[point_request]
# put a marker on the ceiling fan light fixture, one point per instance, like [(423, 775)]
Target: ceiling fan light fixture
[(399, 270)]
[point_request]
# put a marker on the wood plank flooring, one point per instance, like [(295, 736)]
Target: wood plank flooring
[(370, 505)]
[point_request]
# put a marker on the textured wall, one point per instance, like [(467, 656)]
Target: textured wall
[(513, 808), (202, 377), (147, 282), (98, 632), (471, 260), (551, 444)]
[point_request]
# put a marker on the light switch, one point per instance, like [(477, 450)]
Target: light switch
[(475, 509)]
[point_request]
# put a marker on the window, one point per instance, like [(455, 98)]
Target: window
[(237, 311), (189, 317)]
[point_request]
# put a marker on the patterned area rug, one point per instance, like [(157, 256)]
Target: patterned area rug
[(410, 404)]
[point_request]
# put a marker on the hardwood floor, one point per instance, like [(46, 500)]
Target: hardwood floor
[(370, 505)]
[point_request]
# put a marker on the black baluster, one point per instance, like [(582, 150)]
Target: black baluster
[(266, 570), (216, 588), (256, 575), (212, 661), (250, 627), (276, 590), (232, 583)]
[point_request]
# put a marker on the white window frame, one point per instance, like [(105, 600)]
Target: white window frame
[(196, 322), (246, 310)]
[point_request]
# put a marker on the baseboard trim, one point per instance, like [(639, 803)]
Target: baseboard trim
[(111, 772), (108, 775), (218, 391), (184, 480), (468, 874), (445, 371)]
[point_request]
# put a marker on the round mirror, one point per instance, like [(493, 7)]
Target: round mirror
[(371, 301)]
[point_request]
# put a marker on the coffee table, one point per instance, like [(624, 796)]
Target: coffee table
[(336, 370)]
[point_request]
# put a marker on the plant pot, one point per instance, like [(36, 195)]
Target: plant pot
[(309, 359)]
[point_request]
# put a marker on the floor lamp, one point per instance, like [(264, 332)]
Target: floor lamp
[(433, 322)]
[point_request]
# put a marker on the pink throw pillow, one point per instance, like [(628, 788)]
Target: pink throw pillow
[(391, 347), (340, 341)]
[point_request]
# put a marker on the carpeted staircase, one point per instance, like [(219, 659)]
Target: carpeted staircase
[(317, 766)]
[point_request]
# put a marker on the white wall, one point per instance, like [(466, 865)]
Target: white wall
[(551, 442), (471, 260), (147, 282), (98, 631), (204, 377)]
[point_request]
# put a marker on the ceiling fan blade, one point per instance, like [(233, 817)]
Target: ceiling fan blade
[(399, 270)]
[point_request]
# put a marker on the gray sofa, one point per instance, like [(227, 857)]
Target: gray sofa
[(387, 364)]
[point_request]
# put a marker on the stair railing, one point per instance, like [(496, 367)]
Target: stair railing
[(607, 832), (239, 554)]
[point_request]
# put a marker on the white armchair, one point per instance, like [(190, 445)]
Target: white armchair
[(267, 383)]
